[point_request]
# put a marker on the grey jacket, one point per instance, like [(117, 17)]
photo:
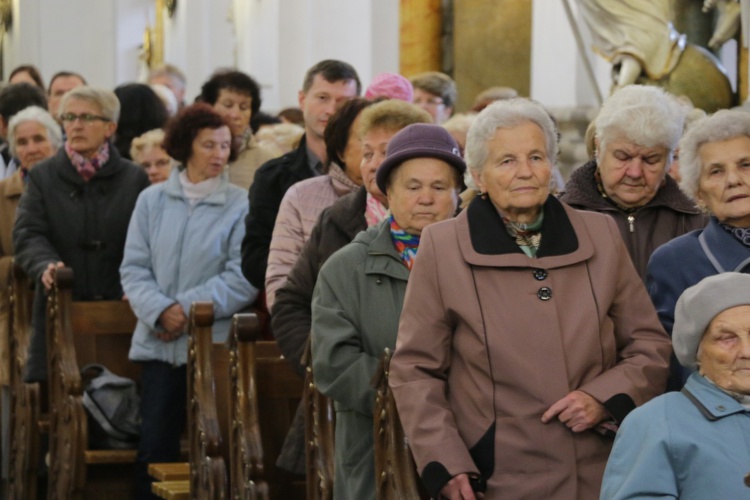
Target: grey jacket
[(356, 307)]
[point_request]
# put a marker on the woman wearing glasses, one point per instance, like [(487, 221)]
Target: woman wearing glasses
[(75, 210)]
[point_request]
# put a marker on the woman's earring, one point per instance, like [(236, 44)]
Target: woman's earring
[(483, 195)]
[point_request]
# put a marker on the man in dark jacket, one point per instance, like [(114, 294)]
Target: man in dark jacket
[(327, 85), (76, 210), (637, 131)]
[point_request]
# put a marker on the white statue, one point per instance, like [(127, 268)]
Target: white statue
[(635, 36)]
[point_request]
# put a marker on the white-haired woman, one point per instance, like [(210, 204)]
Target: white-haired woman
[(715, 168), (75, 210), (524, 331), (33, 136), (694, 444), (637, 131), (147, 150)]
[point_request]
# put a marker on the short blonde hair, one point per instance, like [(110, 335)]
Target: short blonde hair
[(144, 142), (392, 114)]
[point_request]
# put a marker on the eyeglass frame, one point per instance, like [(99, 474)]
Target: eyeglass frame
[(83, 117)]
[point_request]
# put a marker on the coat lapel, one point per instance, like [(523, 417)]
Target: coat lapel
[(484, 241)]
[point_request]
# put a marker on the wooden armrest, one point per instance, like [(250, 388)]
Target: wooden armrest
[(208, 470)]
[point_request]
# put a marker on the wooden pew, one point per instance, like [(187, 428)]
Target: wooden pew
[(262, 416), (208, 472), (79, 333), (320, 424), (23, 442), (395, 472)]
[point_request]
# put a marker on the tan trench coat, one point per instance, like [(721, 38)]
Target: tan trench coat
[(489, 339)]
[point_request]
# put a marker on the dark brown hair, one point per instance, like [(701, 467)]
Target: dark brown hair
[(185, 127)]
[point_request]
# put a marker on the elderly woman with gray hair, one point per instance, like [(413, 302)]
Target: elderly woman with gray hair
[(715, 167), (526, 334), (637, 131), (694, 444), (33, 136), (75, 211)]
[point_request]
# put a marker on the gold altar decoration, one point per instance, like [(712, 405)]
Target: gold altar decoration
[(420, 28)]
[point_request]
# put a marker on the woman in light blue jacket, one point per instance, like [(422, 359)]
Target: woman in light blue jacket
[(694, 444), (183, 245)]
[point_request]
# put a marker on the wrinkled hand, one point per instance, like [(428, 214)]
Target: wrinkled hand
[(578, 411), (459, 488), (173, 321), (48, 276)]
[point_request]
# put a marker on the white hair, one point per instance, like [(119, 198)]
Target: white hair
[(722, 126), (39, 115), (507, 114), (645, 115)]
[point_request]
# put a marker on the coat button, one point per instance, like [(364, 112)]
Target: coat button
[(720, 408), (544, 293), (540, 274)]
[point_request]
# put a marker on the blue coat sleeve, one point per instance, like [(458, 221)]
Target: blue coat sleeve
[(640, 465), (146, 298), (229, 290)]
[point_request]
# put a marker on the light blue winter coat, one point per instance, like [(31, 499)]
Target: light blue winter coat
[(175, 253), (672, 447)]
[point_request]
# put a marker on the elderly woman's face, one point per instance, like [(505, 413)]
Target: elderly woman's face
[(32, 143), (724, 185), (724, 350), (517, 173), (157, 164), (210, 153), (85, 126), (632, 174), (422, 191)]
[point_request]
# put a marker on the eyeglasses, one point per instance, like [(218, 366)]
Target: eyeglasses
[(84, 117)]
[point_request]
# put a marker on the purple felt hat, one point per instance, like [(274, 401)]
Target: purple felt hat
[(419, 140)]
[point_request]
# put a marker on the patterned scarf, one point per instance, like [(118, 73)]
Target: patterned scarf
[(375, 212), (527, 236), (406, 244), (742, 234), (88, 168)]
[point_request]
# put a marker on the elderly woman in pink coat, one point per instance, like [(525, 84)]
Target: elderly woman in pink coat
[(526, 334)]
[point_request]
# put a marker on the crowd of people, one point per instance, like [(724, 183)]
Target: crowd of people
[(536, 323)]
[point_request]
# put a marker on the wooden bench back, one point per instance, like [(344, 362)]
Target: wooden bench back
[(23, 439), (79, 333), (262, 415), (395, 471), (320, 425), (208, 473)]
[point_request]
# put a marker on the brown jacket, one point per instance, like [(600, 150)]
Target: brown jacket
[(668, 215), (10, 193), (489, 339)]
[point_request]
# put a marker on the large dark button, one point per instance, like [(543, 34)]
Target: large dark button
[(544, 293), (540, 274)]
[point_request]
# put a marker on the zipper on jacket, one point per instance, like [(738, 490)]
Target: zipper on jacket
[(631, 222)]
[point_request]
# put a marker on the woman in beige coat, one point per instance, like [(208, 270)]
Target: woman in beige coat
[(526, 334)]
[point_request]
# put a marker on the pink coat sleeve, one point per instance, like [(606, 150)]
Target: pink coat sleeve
[(419, 371)]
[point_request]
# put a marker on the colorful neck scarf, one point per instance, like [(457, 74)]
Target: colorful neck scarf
[(406, 244), (527, 236), (88, 168), (742, 234), (375, 212)]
